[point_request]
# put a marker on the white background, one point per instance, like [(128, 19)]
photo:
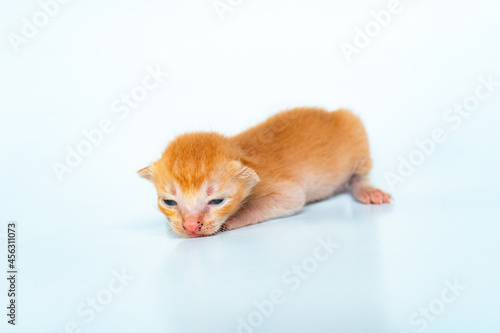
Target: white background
[(226, 75)]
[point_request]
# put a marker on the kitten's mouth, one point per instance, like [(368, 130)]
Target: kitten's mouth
[(197, 235), (200, 233), (194, 233), (204, 230)]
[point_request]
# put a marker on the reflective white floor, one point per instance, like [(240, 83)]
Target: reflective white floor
[(428, 262), (96, 256)]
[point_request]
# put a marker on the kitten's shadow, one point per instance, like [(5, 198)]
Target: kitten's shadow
[(344, 207)]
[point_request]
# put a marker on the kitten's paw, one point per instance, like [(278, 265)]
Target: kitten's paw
[(230, 224), (371, 195), (233, 223)]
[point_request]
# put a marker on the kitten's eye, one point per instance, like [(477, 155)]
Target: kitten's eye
[(215, 201), (170, 202)]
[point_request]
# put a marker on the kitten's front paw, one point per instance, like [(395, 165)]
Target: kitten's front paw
[(233, 223)]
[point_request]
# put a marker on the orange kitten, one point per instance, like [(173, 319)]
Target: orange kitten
[(207, 182)]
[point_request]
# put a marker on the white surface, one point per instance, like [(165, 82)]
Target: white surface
[(226, 76)]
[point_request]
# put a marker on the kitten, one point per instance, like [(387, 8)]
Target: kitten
[(207, 182)]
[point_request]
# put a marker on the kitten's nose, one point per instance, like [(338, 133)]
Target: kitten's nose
[(192, 225)]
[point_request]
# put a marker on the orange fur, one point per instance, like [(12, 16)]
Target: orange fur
[(270, 170)]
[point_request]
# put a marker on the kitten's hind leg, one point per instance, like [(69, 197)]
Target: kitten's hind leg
[(364, 192), (284, 199)]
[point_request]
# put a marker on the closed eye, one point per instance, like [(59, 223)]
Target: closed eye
[(170, 202), (215, 201)]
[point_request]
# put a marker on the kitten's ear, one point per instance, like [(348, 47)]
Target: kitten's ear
[(247, 173), (146, 173)]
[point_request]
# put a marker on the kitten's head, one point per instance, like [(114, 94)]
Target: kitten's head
[(200, 182)]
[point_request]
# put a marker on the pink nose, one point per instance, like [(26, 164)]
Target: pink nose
[(192, 225)]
